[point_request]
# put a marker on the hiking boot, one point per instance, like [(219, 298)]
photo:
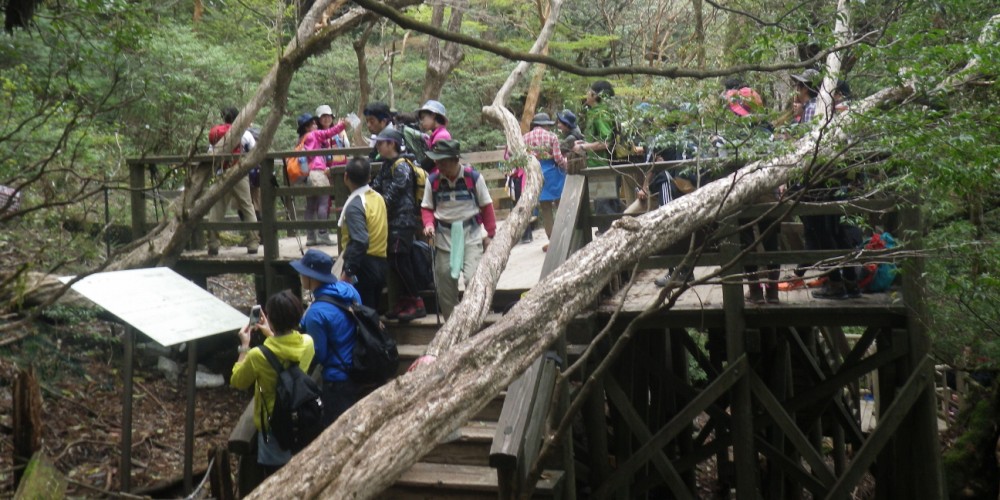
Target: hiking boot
[(310, 238), (789, 283), (680, 273), (414, 309), (831, 290), (755, 295), (771, 293), (527, 238), (401, 304), (252, 248), (213, 251), (853, 291), (818, 282), (324, 239)]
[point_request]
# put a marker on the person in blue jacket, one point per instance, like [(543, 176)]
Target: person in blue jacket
[(332, 331)]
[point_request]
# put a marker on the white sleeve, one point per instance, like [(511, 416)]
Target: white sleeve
[(483, 192), (248, 141)]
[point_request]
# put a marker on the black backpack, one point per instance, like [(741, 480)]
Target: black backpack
[(422, 262), (375, 357), (297, 417)]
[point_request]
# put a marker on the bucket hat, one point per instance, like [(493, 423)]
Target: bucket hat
[(390, 134), (542, 119), (316, 265), (445, 149), (567, 118), (435, 107)]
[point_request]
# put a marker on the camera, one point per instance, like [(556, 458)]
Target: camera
[(254, 315)]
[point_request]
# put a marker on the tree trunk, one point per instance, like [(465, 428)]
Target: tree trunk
[(364, 86), (441, 61), (535, 87)]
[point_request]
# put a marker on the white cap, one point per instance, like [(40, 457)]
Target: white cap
[(323, 110)]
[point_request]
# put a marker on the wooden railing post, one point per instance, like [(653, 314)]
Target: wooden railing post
[(137, 191), (268, 233), (744, 454)]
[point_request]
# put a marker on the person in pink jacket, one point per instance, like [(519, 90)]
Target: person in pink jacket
[(318, 207)]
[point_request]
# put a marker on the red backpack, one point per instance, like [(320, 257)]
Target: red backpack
[(216, 134)]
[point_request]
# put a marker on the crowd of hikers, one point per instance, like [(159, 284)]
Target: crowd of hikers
[(423, 219)]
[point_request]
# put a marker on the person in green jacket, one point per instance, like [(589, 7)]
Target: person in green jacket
[(278, 323), (598, 145)]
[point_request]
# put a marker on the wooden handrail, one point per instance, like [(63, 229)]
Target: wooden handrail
[(518, 438)]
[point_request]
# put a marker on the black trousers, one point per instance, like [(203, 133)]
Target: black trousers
[(337, 398), (401, 261), (371, 280)]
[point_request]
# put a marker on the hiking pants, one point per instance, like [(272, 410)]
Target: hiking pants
[(318, 207), (371, 280), (401, 262), (447, 287), (240, 197)]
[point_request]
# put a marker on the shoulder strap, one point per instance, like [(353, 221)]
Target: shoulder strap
[(347, 309), (273, 359)]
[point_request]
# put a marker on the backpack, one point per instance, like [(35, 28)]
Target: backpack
[(884, 274), (471, 177), (415, 144), (422, 263), (297, 167), (375, 357), (419, 179), (297, 417)]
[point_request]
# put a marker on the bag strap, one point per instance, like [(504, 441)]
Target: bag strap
[(278, 368), (273, 359), (347, 309)]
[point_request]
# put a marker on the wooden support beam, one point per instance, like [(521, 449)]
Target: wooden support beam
[(735, 372), (889, 422), (268, 233), (623, 404), (779, 459), (219, 475), (27, 420), (787, 425)]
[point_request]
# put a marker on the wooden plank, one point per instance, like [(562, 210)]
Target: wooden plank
[(791, 431), (777, 459), (220, 476), (464, 477), (623, 404), (889, 422), (509, 437), (573, 201), (41, 480), (241, 438), (539, 413), (476, 157), (735, 372), (137, 186), (830, 386), (268, 233)]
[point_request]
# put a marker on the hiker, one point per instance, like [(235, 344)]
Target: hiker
[(363, 234), (599, 137), (378, 117), (570, 130), (455, 210), (806, 91), (396, 183), (318, 207), (240, 193), (278, 323), (433, 120), (332, 330), (544, 145)]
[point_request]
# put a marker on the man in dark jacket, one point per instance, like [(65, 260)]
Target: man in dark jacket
[(395, 181)]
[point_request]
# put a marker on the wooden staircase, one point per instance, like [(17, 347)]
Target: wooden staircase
[(459, 467)]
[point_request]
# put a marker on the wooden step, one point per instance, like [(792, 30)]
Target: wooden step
[(472, 447), (427, 481)]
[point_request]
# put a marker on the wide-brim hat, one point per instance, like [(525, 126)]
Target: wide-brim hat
[(445, 149), (316, 265), (567, 118), (542, 119), (810, 78)]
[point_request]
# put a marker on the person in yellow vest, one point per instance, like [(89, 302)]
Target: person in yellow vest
[(364, 231)]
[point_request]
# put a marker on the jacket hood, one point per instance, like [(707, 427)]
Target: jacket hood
[(339, 290)]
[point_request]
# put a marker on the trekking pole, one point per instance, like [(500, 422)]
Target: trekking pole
[(437, 298), (285, 201)]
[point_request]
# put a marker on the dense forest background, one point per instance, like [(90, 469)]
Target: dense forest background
[(90, 83)]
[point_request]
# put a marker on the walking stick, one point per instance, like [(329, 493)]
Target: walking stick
[(437, 298)]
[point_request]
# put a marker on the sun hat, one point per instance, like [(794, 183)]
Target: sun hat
[(445, 149), (810, 78), (542, 119), (435, 107), (323, 110), (567, 118), (316, 265), (303, 121)]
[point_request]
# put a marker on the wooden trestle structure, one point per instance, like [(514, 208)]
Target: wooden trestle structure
[(776, 411)]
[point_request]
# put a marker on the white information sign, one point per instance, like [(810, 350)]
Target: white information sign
[(161, 304)]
